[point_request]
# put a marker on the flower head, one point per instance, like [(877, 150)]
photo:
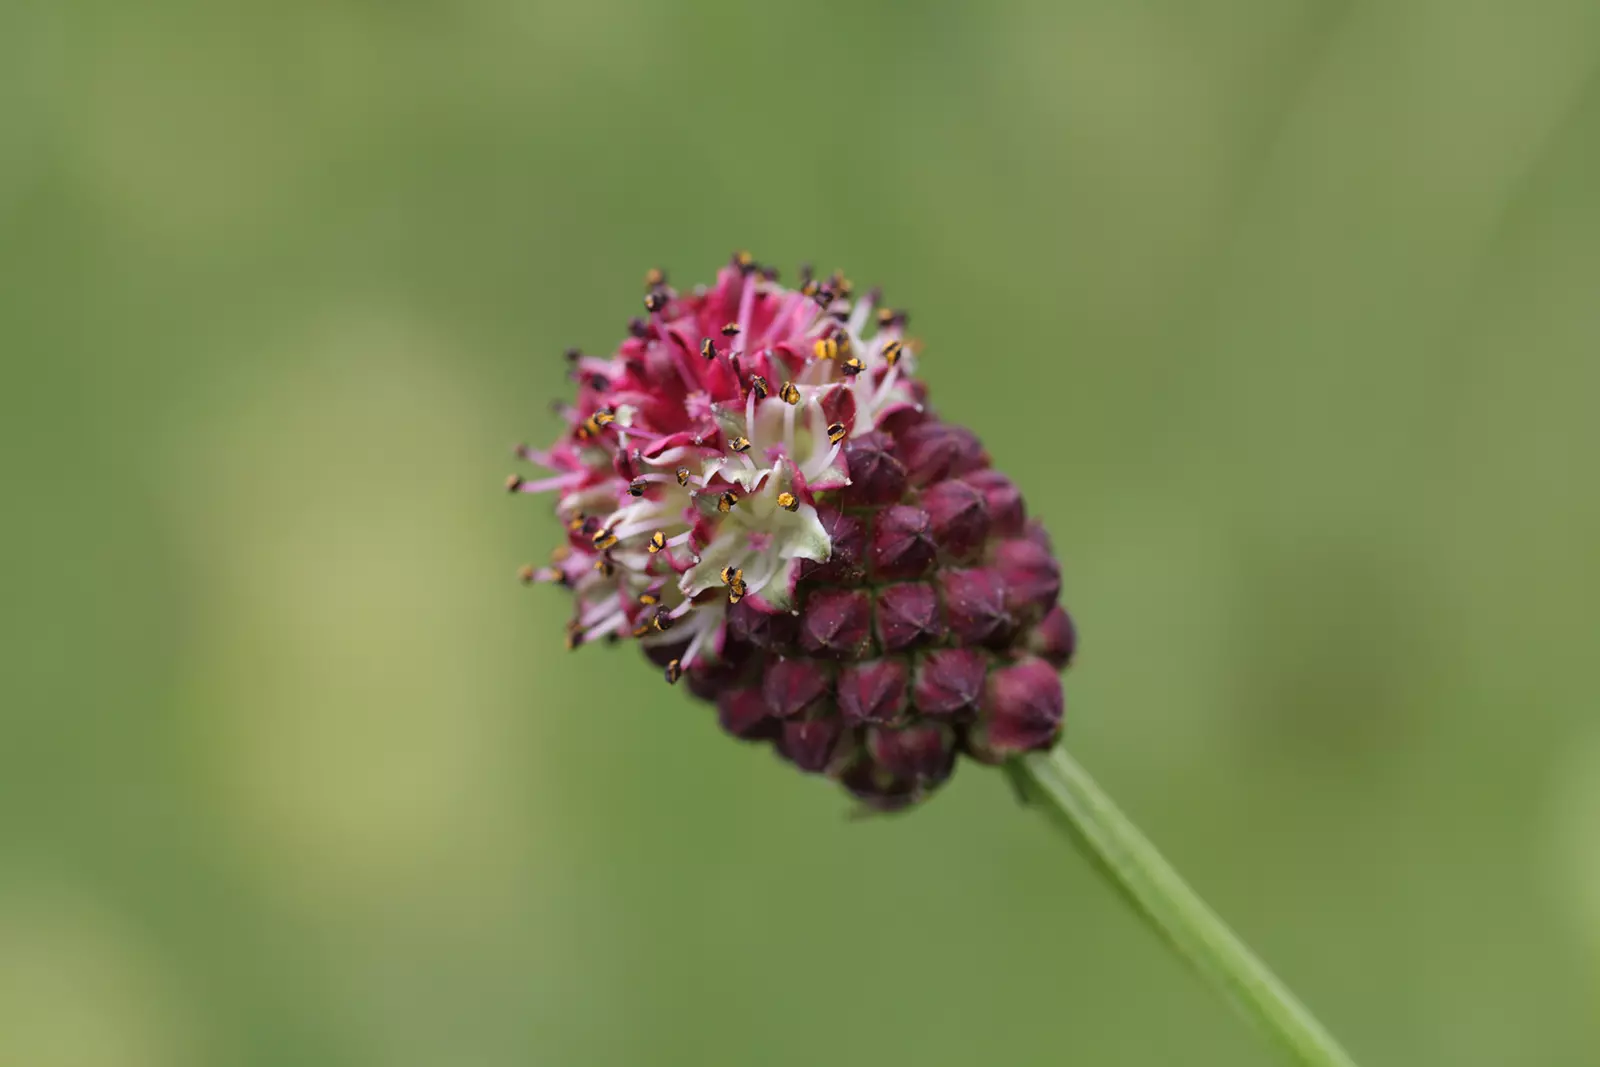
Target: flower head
[(755, 489)]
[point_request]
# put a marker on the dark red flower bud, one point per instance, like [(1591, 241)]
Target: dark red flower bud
[(1021, 712), (874, 691), (1034, 531), (837, 623), (876, 476), (1006, 511), (908, 615), (959, 516), (925, 754), (772, 631), (708, 679), (847, 535), (902, 543), (1031, 575), (934, 451), (949, 682), (877, 787), (791, 685), (809, 743), (975, 606), (1055, 638), (743, 713)]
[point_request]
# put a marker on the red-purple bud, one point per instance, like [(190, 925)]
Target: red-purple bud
[(743, 713), (1031, 575), (876, 476), (837, 623), (922, 753), (949, 682), (1034, 531), (708, 679), (772, 631), (1021, 712), (847, 536), (877, 787), (874, 691), (934, 451), (902, 543), (908, 615), (975, 606), (809, 743), (791, 685), (1006, 511), (959, 516), (1055, 638)]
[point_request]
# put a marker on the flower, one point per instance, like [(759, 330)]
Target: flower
[(755, 489)]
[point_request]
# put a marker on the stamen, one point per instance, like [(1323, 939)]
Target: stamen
[(636, 487), (682, 474), (706, 628), (654, 278), (836, 432), (731, 330), (573, 355), (658, 541), (674, 671), (708, 348), (788, 502), (654, 301), (526, 574), (613, 623), (513, 484), (883, 389), (595, 423), (852, 367), (726, 501), (758, 386), (789, 393), (740, 444), (891, 352)]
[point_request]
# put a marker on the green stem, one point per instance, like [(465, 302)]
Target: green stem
[(1173, 909)]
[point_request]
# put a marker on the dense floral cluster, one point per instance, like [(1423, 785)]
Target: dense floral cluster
[(755, 489)]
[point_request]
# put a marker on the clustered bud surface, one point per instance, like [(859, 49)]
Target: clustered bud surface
[(755, 489)]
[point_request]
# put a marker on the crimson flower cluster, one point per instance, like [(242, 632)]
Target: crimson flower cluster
[(756, 490)]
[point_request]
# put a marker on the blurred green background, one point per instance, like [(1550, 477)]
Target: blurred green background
[(1285, 315)]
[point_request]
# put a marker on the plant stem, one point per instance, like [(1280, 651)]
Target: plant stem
[(1174, 910)]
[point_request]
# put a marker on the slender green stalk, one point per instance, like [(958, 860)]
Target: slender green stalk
[(1173, 909)]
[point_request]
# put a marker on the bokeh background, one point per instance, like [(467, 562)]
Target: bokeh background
[(1286, 315)]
